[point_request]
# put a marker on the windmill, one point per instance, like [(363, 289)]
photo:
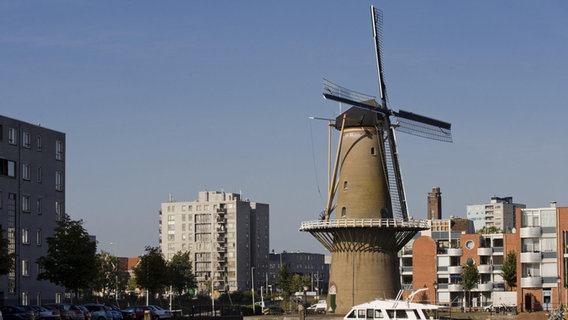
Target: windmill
[(371, 219)]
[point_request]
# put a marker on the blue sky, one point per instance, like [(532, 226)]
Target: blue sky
[(182, 96)]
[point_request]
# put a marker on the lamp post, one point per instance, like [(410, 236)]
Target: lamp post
[(252, 289), (435, 286), (559, 293)]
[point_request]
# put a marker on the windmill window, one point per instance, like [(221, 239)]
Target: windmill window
[(373, 152), (344, 185), (343, 212)]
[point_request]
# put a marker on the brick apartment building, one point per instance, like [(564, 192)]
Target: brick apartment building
[(540, 241)]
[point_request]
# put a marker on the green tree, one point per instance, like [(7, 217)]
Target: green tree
[(509, 270), (151, 271), (299, 282), (71, 257), (469, 277), (284, 281), (181, 274), (111, 276), (6, 258)]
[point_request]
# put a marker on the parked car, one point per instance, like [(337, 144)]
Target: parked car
[(156, 312), (30, 309), (160, 312), (67, 311), (16, 313), (273, 310), (117, 314), (46, 314), (127, 313), (98, 311), (319, 307), (85, 312)]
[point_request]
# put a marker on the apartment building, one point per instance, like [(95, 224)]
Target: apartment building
[(313, 265), (542, 262), (498, 214), (32, 200), (540, 243), (228, 238)]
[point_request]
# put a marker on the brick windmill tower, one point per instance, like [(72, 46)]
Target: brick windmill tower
[(366, 195)]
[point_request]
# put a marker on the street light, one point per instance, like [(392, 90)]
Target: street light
[(559, 293), (435, 285)]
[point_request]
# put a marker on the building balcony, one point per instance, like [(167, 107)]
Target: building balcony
[(531, 257), (485, 286), (455, 252), (485, 268), (530, 232), (531, 282), (454, 287), (454, 269), (406, 270), (484, 251)]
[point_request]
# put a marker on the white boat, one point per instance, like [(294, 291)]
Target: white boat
[(388, 309)]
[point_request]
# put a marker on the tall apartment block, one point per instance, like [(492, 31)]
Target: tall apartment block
[(227, 237), (499, 213), (32, 200)]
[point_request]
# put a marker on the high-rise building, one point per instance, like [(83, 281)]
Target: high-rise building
[(435, 204), (499, 214), (32, 200), (227, 237)]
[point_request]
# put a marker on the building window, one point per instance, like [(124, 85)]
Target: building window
[(25, 298), (343, 212), (58, 180), (58, 211), (38, 143), (26, 140), (26, 171), (39, 175), (59, 150), (12, 136), (39, 238), (25, 268), (1, 199), (25, 236), (39, 206), (8, 168), (26, 203)]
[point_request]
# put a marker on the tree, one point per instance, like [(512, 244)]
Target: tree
[(469, 276), (6, 258), (284, 280), (490, 229), (509, 270), (181, 273), (71, 257), (151, 271), (111, 277), (299, 282)]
